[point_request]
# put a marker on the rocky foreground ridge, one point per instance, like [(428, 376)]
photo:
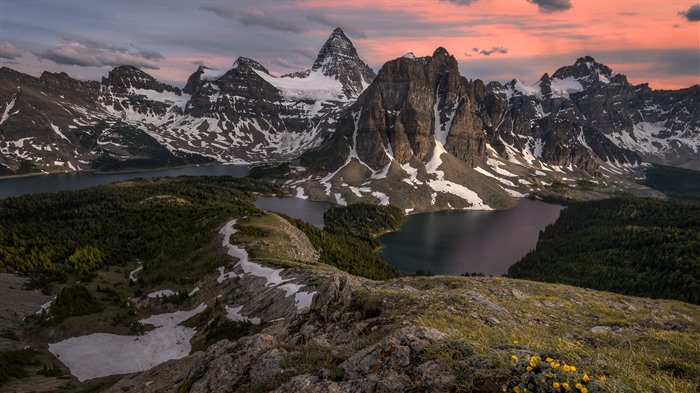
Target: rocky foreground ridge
[(307, 326), (429, 334)]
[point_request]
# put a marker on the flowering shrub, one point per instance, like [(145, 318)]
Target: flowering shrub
[(538, 374)]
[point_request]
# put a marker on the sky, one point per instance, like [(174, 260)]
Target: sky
[(654, 41)]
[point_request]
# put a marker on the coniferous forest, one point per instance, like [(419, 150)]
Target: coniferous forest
[(633, 246)]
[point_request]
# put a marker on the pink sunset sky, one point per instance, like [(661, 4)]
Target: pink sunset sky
[(649, 41)]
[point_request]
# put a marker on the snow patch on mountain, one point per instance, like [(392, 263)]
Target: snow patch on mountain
[(316, 87)]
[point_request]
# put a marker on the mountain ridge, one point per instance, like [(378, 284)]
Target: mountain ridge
[(582, 122)]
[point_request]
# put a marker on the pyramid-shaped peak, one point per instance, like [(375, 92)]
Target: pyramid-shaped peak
[(337, 45), (338, 58)]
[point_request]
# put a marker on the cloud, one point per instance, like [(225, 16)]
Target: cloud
[(333, 22), (282, 62), (460, 3), (548, 6), (271, 21), (253, 17), (219, 10), (308, 52), (96, 54), (9, 51), (495, 49), (475, 49), (693, 13)]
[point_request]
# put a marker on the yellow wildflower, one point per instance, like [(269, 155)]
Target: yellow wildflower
[(584, 390), (579, 386), (528, 368), (565, 385), (549, 360), (555, 385), (585, 378), (503, 389), (533, 361), (515, 342), (516, 389), (514, 357), (603, 378), (567, 368), (573, 368), (555, 365)]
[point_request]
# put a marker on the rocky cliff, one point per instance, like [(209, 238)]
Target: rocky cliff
[(458, 143)]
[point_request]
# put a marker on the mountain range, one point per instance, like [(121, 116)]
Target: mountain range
[(417, 134)]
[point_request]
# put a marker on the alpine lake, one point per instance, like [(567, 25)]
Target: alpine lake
[(442, 243)]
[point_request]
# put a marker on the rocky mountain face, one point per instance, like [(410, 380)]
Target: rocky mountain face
[(421, 124), (243, 114)]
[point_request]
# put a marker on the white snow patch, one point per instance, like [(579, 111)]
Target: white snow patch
[(339, 199), (193, 291), (565, 87), (272, 276), (165, 97), (132, 275), (300, 193), (103, 354), (58, 132), (383, 198), (316, 86), (439, 184), (161, 293), (223, 276), (45, 307), (234, 314), (6, 114)]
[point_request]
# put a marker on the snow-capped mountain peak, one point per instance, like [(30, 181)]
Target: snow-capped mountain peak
[(338, 59)]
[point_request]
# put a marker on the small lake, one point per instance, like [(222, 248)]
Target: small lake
[(309, 211), (54, 182), (457, 242)]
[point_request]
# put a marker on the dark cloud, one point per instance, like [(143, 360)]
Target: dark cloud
[(467, 54), (253, 17), (223, 11), (198, 63), (333, 22), (150, 55), (308, 52), (96, 54), (9, 51), (475, 49), (693, 13), (269, 20), (676, 25), (282, 62), (552, 5), (460, 2), (495, 49)]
